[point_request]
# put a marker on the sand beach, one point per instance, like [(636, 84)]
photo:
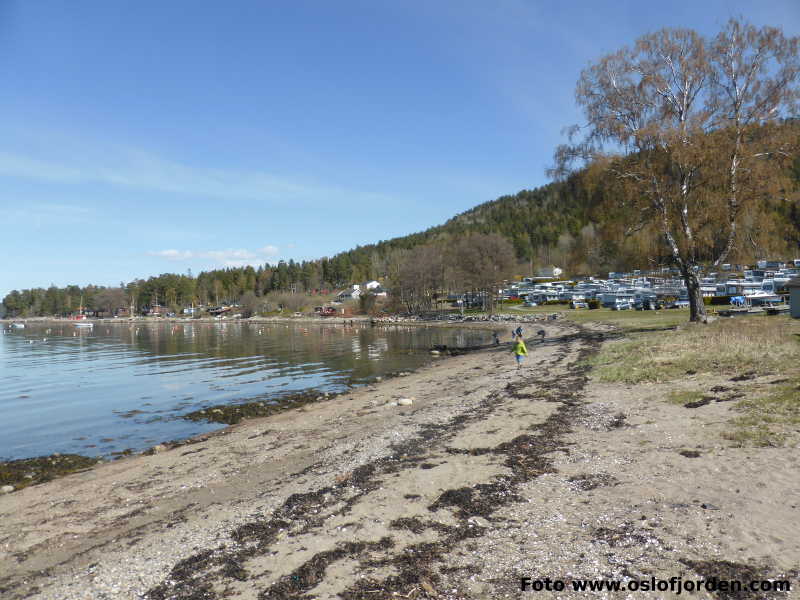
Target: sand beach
[(454, 481)]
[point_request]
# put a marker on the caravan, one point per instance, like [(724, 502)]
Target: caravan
[(776, 285), (618, 300)]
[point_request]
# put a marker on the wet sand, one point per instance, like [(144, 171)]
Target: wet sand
[(491, 474)]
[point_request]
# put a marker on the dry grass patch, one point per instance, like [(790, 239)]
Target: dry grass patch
[(682, 397), (756, 345), (622, 319), (769, 420)]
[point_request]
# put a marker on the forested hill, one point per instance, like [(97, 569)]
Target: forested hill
[(575, 224), (533, 220)]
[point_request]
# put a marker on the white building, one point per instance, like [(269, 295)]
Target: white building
[(550, 272), (353, 292)]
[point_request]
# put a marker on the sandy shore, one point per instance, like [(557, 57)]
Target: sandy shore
[(490, 475)]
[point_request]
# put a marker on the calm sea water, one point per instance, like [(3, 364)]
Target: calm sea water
[(121, 386)]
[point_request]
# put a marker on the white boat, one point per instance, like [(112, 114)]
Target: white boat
[(18, 325), (762, 298), (84, 325)]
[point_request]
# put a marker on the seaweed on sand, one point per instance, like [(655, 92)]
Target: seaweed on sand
[(30, 471), (415, 566), (723, 570), (230, 414)]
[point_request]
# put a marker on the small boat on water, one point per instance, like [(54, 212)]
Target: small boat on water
[(81, 318), (18, 325)]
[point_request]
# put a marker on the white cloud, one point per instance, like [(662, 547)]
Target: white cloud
[(239, 257), (223, 255), (172, 254), (234, 264), (270, 250)]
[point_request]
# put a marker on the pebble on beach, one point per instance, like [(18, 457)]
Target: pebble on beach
[(405, 401)]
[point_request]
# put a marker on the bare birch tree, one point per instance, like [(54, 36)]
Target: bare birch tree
[(754, 73), (687, 128)]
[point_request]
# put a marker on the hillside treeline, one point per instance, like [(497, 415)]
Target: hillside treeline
[(219, 286), (577, 224)]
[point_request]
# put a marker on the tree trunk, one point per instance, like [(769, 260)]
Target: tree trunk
[(697, 309)]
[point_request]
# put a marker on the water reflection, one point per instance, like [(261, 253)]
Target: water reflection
[(117, 386)]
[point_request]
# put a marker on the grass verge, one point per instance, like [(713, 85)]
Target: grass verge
[(767, 420), (742, 349), (753, 345), (623, 319)]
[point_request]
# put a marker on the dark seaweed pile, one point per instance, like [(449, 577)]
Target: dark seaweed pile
[(30, 471)]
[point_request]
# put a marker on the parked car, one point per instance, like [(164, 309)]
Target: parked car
[(677, 304), (622, 306)]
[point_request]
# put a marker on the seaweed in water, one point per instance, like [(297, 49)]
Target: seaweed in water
[(230, 414), (29, 471)]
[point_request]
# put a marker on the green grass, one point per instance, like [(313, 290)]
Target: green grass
[(731, 346), (757, 345)]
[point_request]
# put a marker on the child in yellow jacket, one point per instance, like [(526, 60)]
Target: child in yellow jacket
[(520, 351)]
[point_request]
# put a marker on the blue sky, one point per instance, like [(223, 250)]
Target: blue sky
[(144, 137)]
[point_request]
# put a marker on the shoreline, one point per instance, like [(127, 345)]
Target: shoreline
[(131, 472), (450, 319), (488, 473), (36, 470)]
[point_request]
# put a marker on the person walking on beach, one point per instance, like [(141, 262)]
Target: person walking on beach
[(496, 338), (520, 351)]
